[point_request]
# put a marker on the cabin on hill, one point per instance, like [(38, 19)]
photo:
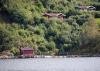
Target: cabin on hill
[(54, 15), (85, 8), (26, 52)]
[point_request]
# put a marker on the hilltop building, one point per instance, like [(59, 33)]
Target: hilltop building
[(85, 8), (54, 15)]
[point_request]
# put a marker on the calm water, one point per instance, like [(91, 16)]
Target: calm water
[(51, 64)]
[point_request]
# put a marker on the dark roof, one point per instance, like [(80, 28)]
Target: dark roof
[(26, 48)]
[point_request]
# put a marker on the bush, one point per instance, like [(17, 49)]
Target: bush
[(97, 14), (15, 51), (51, 46), (5, 39)]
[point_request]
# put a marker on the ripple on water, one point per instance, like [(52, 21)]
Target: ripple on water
[(51, 64)]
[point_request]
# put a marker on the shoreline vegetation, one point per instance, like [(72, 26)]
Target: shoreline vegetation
[(9, 55)]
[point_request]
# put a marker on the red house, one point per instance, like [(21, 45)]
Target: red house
[(86, 8), (54, 15), (26, 52)]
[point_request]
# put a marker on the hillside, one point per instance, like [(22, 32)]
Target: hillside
[(22, 24)]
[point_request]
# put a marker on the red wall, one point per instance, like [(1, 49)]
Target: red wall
[(27, 52)]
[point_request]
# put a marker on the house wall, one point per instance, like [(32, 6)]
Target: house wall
[(27, 52)]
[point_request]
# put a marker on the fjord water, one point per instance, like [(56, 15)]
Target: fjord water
[(51, 64)]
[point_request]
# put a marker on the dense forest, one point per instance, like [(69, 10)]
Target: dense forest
[(22, 24)]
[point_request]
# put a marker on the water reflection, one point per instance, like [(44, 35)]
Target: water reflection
[(51, 64)]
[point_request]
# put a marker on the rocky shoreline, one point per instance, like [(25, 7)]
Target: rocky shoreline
[(6, 55), (45, 56)]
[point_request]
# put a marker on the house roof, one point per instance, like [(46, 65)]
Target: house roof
[(85, 7), (54, 14), (26, 48)]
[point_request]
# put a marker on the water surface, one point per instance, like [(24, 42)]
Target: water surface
[(51, 64)]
